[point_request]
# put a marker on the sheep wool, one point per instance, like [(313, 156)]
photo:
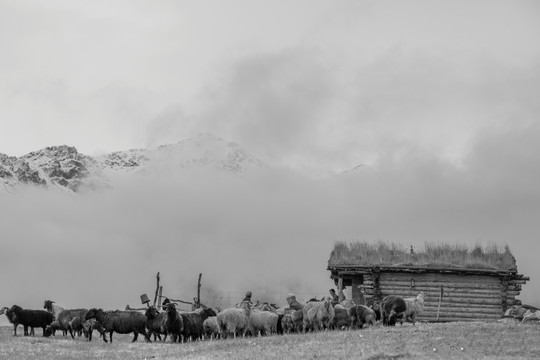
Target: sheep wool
[(122, 322)]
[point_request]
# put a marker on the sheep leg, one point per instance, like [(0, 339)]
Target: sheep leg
[(134, 337), (15, 329), (25, 330), (147, 336)]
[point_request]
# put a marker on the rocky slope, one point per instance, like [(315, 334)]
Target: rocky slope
[(63, 167)]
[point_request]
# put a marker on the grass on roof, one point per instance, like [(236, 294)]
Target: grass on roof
[(459, 256)]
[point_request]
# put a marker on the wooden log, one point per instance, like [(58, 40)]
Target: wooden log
[(157, 289), (198, 301), (457, 319), (464, 310), (415, 283), (443, 315), (517, 281), (440, 277), (514, 302), (433, 287), (419, 270), (366, 287), (354, 272), (418, 289), (448, 305), (466, 301), (453, 294), (457, 296), (458, 284)]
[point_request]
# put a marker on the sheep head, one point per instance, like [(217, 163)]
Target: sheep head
[(171, 307), (48, 331), (92, 313), (47, 305), (16, 309), (151, 312)]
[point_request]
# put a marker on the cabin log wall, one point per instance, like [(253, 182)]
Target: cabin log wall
[(465, 297)]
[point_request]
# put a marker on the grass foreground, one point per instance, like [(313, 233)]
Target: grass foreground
[(475, 340)]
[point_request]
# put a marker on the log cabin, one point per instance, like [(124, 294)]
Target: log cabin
[(459, 284)]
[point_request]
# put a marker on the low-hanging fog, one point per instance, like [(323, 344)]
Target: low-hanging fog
[(269, 231)]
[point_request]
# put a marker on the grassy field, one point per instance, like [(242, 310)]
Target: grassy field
[(424, 341)]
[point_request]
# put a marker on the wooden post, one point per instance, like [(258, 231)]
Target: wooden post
[(377, 294), (505, 293), (439, 306), (198, 302), (159, 296), (157, 289), (340, 288)]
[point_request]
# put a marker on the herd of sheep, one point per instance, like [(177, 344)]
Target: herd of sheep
[(242, 320)]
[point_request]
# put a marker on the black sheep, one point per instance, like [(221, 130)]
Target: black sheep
[(193, 323), (11, 317), (122, 322), (71, 320), (393, 308), (279, 328), (376, 306), (360, 315), (173, 324), (89, 326), (52, 327), (156, 322), (31, 318)]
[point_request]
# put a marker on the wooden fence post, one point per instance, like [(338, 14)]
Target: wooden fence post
[(157, 289), (198, 303)]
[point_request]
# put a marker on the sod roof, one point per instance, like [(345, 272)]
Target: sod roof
[(433, 255)]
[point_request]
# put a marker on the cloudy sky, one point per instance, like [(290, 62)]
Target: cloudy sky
[(438, 100)]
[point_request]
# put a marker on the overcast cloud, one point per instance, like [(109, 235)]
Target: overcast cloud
[(436, 99)]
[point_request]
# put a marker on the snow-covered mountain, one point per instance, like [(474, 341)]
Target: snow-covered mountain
[(63, 167)]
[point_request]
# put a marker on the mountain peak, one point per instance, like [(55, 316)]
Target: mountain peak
[(64, 167), (207, 150)]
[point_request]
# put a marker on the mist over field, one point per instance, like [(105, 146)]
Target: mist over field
[(269, 231)]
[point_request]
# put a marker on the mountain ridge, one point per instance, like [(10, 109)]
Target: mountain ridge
[(65, 168)]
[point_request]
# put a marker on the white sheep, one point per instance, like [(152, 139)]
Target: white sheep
[(51, 307), (414, 307), (234, 321), (531, 314), (211, 327), (264, 322), (318, 314)]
